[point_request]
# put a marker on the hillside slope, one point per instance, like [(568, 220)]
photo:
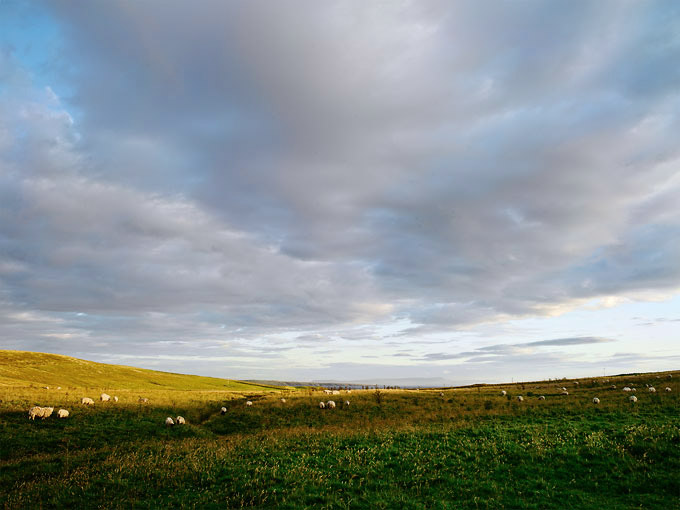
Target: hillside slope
[(23, 368)]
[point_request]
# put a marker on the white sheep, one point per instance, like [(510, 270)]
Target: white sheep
[(283, 400), (33, 412), (576, 383), (115, 399), (520, 398), (181, 421), (503, 393), (39, 412), (330, 404), (563, 388), (542, 397), (46, 387), (322, 405), (348, 391), (327, 392), (86, 401), (62, 413), (596, 400), (633, 390), (626, 388), (652, 389), (565, 393), (169, 422), (143, 400), (441, 394), (632, 398), (58, 387), (104, 397), (668, 389), (346, 403), (335, 392), (249, 403), (223, 410)]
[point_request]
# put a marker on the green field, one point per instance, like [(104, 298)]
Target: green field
[(470, 448)]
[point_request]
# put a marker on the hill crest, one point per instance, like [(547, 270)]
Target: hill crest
[(27, 368)]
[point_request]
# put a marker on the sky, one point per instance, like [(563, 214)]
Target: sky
[(397, 192)]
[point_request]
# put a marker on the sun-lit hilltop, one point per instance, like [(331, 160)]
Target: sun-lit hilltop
[(23, 368)]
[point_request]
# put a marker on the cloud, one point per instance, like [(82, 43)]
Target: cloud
[(584, 340), (493, 352), (328, 170)]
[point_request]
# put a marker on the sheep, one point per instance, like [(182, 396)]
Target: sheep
[(542, 397), (327, 392), (223, 410), (596, 400), (335, 392), (346, 404), (46, 387), (563, 388), (104, 397), (348, 391), (565, 392), (330, 404), (322, 405), (576, 383), (35, 411), (143, 400), (670, 376), (181, 421), (503, 393), (626, 388), (520, 398), (632, 398), (633, 390), (652, 389), (45, 412), (169, 422), (115, 399), (249, 403), (613, 386), (283, 400), (86, 401), (667, 389), (62, 413), (441, 394), (58, 387)]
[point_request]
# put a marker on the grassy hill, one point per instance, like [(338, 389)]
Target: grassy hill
[(22, 368), (463, 448)]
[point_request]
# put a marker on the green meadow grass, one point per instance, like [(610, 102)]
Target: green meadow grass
[(470, 448), (22, 368)]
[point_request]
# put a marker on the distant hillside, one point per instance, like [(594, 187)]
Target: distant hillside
[(23, 368)]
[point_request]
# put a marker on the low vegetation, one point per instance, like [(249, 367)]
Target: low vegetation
[(468, 448)]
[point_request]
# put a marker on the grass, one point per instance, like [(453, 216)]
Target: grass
[(22, 368), (471, 448)]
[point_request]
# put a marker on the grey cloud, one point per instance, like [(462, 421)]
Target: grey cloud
[(583, 340), (488, 352), (322, 169)]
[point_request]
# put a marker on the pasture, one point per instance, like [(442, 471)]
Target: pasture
[(470, 448)]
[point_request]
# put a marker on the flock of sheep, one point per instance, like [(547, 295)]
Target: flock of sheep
[(632, 398), (45, 412)]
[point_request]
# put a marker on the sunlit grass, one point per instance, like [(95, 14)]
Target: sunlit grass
[(470, 448)]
